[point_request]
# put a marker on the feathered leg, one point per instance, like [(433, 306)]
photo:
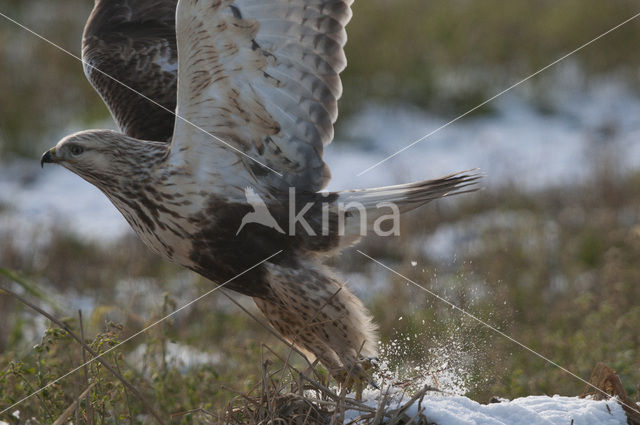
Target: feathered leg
[(313, 310)]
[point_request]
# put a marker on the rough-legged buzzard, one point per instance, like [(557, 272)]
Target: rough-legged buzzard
[(254, 85)]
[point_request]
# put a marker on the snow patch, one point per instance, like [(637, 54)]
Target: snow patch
[(532, 410)]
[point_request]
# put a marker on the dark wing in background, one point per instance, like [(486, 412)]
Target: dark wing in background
[(134, 41)]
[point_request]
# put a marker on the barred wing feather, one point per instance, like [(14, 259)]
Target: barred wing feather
[(262, 76)]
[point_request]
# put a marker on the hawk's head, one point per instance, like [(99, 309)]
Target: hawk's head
[(103, 157)]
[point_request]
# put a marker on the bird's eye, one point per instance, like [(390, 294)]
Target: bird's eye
[(76, 150)]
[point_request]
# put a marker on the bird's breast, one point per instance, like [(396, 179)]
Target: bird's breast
[(164, 215)]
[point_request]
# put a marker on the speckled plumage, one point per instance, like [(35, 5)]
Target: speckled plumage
[(254, 83)]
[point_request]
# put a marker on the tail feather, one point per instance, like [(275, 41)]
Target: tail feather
[(412, 195), (405, 197)]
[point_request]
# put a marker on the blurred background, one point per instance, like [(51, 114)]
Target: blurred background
[(548, 252)]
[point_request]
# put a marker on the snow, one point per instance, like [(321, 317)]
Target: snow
[(181, 355), (518, 144), (36, 199), (532, 410), (526, 411)]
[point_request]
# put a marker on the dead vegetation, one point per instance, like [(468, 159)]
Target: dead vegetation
[(283, 395), (608, 384)]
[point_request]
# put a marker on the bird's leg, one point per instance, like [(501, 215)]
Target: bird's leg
[(322, 317), (356, 377)]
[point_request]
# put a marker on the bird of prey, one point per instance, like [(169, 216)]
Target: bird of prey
[(254, 86)]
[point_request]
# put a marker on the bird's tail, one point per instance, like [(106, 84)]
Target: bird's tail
[(412, 195), (384, 202)]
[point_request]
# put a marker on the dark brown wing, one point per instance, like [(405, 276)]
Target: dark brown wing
[(134, 41)]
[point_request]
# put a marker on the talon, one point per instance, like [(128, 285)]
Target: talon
[(369, 363), (358, 376)]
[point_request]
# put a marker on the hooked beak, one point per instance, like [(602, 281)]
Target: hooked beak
[(48, 157)]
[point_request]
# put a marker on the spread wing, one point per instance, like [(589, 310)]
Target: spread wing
[(134, 41), (261, 76)]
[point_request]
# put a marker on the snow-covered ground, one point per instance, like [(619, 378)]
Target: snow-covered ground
[(532, 410), (517, 144)]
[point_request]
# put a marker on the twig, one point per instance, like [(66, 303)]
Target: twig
[(86, 370), (192, 411), (27, 286), (381, 408), (401, 411), (115, 373), (67, 412), (240, 395)]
